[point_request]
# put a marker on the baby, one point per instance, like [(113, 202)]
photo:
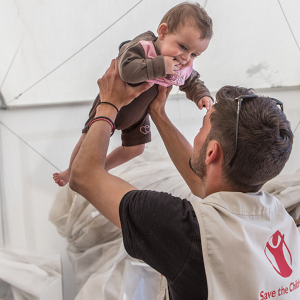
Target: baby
[(183, 34)]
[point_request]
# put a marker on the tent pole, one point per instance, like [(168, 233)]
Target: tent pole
[(2, 233), (2, 101)]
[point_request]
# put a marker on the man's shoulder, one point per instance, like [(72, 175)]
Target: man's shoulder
[(150, 200), (241, 203), (148, 194)]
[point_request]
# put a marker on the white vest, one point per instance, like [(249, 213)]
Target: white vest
[(251, 248)]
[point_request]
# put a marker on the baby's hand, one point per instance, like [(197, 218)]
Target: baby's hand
[(171, 65), (205, 102)]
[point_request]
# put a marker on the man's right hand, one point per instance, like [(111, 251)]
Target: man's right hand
[(114, 90)]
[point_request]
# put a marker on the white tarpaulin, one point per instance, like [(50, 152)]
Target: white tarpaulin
[(25, 276)]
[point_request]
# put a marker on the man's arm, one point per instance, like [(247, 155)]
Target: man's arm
[(88, 175), (179, 149)]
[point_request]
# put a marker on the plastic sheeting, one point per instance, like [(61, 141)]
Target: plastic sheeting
[(287, 189), (103, 269), (29, 277)]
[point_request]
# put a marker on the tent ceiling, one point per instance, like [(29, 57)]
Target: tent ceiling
[(255, 44)]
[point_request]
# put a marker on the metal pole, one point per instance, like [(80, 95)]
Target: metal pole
[(2, 101), (2, 233)]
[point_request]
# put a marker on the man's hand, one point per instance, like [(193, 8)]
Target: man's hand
[(114, 90), (205, 102), (171, 65), (158, 104)]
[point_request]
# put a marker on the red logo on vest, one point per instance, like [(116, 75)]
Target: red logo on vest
[(279, 254)]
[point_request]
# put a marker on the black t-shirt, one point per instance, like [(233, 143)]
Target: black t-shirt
[(163, 231)]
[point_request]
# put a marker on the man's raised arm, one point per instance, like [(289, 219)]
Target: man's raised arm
[(88, 176), (179, 149)]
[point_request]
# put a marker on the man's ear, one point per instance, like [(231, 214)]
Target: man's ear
[(214, 152), (162, 30)]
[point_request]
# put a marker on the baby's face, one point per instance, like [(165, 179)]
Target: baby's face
[(184, 45)]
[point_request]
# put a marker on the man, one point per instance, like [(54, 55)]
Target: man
[(238, 243)]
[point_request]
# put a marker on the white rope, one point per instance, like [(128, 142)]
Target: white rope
[(75, 52), (296, 127), (30, 147), (289, 25)]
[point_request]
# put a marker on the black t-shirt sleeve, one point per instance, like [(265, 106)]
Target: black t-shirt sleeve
[(159, 229)]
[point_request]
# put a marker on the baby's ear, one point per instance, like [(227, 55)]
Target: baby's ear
[(162, 30)]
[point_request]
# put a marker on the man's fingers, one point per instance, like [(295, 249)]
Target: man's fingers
[(115, 63), (142, 88), (112, 68), (99, 81), (112, 64), (162, 89), (169, 89), (165, 90)]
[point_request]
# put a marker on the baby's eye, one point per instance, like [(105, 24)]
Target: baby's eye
[(182, 47), (194, 55)]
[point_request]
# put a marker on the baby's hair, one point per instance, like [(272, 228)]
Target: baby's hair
[(189, 13)]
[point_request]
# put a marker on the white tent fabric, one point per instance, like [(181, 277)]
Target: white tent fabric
[(54, 52), (25, 276), (287, 189), (102, 267)]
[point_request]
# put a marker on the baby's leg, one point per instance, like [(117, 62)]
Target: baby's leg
[(122, 154), (63, 177)]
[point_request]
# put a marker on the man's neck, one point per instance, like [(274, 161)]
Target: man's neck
[(216, 186), (214, 182)]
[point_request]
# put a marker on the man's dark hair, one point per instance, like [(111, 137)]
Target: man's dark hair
[(264, 138), (189, 13)]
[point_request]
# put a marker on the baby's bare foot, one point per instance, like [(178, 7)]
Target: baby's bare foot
[(62, 178)]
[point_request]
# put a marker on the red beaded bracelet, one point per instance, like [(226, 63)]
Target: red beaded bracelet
[(108, 120)]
